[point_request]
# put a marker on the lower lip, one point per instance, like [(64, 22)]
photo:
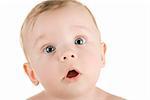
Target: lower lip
[(72, 79)]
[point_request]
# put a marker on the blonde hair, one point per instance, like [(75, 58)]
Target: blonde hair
[(43, 7)]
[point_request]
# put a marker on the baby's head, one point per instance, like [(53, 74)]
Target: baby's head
[(63, 48)]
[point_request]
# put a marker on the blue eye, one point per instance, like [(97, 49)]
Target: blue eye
[(80, 41), (49, 49)]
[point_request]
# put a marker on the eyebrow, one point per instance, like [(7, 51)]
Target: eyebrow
[(81, 27), (42, 36)]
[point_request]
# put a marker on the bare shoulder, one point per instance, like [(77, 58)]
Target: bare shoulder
[(39, 96), (113, 97), (107, 96)]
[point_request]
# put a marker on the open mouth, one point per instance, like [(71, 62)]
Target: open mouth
[(72, 74)]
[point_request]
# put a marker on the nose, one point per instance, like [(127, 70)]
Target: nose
[(67, 56)]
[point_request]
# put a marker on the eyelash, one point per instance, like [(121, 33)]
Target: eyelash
[(84, 40)]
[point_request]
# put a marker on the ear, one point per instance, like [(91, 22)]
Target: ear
[(31, 73), (103, 51)]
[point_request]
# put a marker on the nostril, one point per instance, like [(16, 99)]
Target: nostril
[(72, 56), (64, 57), (68, 56)]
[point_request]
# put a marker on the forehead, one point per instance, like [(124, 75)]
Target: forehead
[(67, 16), (72, 16)]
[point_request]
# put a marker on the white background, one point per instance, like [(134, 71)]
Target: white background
[(125, 27)]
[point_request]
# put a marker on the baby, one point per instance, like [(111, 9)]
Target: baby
[(64, 52)]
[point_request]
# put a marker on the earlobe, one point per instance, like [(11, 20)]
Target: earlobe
[(31, 73)]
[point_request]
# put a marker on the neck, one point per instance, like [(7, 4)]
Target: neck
[(90, 95)]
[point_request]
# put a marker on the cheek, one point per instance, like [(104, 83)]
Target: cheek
[(46, 70), (91, 62), (91, 56)]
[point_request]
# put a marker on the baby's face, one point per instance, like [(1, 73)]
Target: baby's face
[(63, 40)]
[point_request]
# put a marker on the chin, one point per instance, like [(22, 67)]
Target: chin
[(78, 90)]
